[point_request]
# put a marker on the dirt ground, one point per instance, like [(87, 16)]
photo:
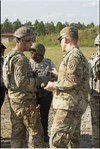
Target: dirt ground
[(86, 131)]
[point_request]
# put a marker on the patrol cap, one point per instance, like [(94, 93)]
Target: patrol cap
[(97, 40), (68, 31), (2, 46), (25, 33), (39, 48)]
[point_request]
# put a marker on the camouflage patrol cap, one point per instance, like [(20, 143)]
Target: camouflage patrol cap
[(68, 31), (2, 46), (39, 48), (97, 40), (25, 33)]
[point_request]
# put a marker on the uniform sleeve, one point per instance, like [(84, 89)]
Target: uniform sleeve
[(23, 76), (73, 74), (53, 65)]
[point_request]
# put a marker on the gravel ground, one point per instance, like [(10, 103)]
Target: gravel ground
[(6, 127)]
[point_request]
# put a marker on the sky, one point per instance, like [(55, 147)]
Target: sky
[(71, 11)]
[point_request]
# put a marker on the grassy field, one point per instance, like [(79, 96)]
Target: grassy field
[(55, 53)]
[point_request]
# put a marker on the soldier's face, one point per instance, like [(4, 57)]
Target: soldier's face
[(63, 44), (27, 45), (37, 57), (32, 53)]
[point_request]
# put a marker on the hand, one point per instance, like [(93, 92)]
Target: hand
[(54, 72), (49, 86)]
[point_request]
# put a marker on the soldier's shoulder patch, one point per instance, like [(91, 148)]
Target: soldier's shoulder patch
[(72, 63)]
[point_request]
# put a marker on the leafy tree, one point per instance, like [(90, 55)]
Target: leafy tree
[(29, 24), (36, 24), (7, 26), (16, 25), (66, 24), (79, 25), (50, 28), (74, 24), (90, 25), (39, 28), (59, 26)]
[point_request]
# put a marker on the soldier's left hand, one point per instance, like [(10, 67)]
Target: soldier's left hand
[(49, 86)]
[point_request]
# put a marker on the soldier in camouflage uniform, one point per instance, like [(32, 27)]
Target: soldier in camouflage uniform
[(70, 92), (43, 67), (21, 84), (94, 93)]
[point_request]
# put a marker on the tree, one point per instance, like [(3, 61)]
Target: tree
[(36, 24), (29, 24), (50, 28), (90, 25), (7, 26), (66, 24), (16, 25), (74, 24), (59, 27), (39, 28)]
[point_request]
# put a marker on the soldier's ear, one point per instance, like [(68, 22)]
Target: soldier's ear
[(66, 40), (22, 40)]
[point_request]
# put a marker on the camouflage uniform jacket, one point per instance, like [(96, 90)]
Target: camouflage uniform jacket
[(24, 84), (42, 69), (71, 88)]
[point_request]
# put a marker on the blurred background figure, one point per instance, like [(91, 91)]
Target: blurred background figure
[(94, 93), (42, 67), (2, 87)]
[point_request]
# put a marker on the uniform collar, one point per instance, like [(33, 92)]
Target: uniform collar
[(71, 49)]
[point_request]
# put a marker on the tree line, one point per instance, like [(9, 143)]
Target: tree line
[(41, 28), (47, 32)]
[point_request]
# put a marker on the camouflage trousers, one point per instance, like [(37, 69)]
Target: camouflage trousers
[(95, 117), (65, 131), (26, 125)]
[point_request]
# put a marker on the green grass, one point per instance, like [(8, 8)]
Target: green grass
[(55, 53), (88, 51)]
